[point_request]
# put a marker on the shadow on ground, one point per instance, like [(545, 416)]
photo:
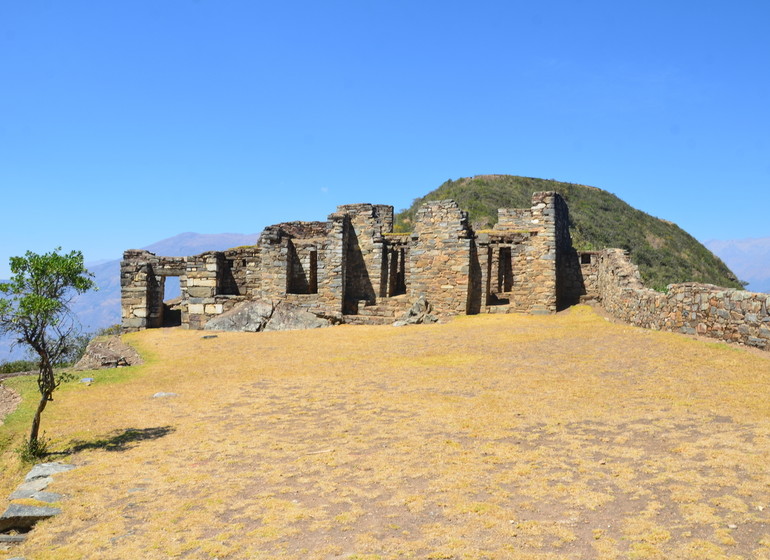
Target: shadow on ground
[(120, 440)]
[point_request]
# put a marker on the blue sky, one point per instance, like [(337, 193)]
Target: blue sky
[(125, 122)]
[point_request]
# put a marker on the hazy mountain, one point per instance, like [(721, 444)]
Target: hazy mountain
[(748, 258), (101, 308), (190, 243)]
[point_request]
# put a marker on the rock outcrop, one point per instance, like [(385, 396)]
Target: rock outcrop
[(249, 316), (107, 352), (419, 313), (258, 316)]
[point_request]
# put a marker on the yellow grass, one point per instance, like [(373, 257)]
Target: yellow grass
[(490, 437)]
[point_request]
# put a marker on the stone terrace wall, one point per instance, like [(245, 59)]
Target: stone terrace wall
[(724, 314)]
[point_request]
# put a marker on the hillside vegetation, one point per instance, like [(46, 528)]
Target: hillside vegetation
[(588, 440), (664, 252)]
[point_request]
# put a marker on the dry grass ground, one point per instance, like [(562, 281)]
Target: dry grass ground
[(490, 437)]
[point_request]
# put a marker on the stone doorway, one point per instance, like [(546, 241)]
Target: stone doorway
[(171, 288)]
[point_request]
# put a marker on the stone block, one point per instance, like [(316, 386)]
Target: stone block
[(24, 517), (195, 309), (213, 308), (207, 282), (198, 292)]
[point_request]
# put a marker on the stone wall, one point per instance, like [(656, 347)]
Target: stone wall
[(514, 219), (244, 275), (332, 264), (439, 257), (725, 314), (142, 280), (353, 263), (364, 252)]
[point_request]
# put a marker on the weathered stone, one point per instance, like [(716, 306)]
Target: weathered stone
[(251, 316), (47, 497), (288, 317), (195, 308), (42, 470), (24, 517), (31, 487), (107, 352), (419, 313)]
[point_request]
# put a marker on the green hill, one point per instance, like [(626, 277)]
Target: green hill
[(664, 252)]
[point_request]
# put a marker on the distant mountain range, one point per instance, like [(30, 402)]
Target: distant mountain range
[(748, 258)]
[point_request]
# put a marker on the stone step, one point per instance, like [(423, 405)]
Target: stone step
[(376, 311), (498, 309), (366, 320)]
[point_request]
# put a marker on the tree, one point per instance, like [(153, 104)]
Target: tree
[(35, 311)]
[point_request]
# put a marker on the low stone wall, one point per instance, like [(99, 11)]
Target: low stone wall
[(725, 314)]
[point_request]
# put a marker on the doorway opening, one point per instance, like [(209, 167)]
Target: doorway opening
[(172, 299)]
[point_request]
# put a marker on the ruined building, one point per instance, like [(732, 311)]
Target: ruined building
[(354, 268)]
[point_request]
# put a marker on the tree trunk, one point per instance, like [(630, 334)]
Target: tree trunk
[(46, 382), (36, 420)]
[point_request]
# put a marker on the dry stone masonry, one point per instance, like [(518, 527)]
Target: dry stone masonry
[(690, 308), (353, 268)]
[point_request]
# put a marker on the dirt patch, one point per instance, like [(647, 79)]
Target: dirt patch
[(9, 400)]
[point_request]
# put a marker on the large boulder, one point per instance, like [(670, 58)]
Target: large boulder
[(107, 352), (256, 316), (419, 313), (289, 317), (249, 316)]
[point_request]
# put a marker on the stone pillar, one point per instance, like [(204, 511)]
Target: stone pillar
[(332, 264), (543, 253), (485, 266), (136, 277), (202, 276), (440, 257), (365, 250), (274, 251)]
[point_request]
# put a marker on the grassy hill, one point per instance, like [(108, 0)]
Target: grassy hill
[(664, 252), (590, 440)]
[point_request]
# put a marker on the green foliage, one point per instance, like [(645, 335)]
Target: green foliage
[(108, 331), (33, 450), (17, 366), (35, 310), (664, 252), (74, 350)]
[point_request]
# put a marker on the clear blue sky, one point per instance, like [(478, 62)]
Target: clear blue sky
[(125, 122)]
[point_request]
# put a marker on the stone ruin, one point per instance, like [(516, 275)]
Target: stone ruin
[(354, 269)]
